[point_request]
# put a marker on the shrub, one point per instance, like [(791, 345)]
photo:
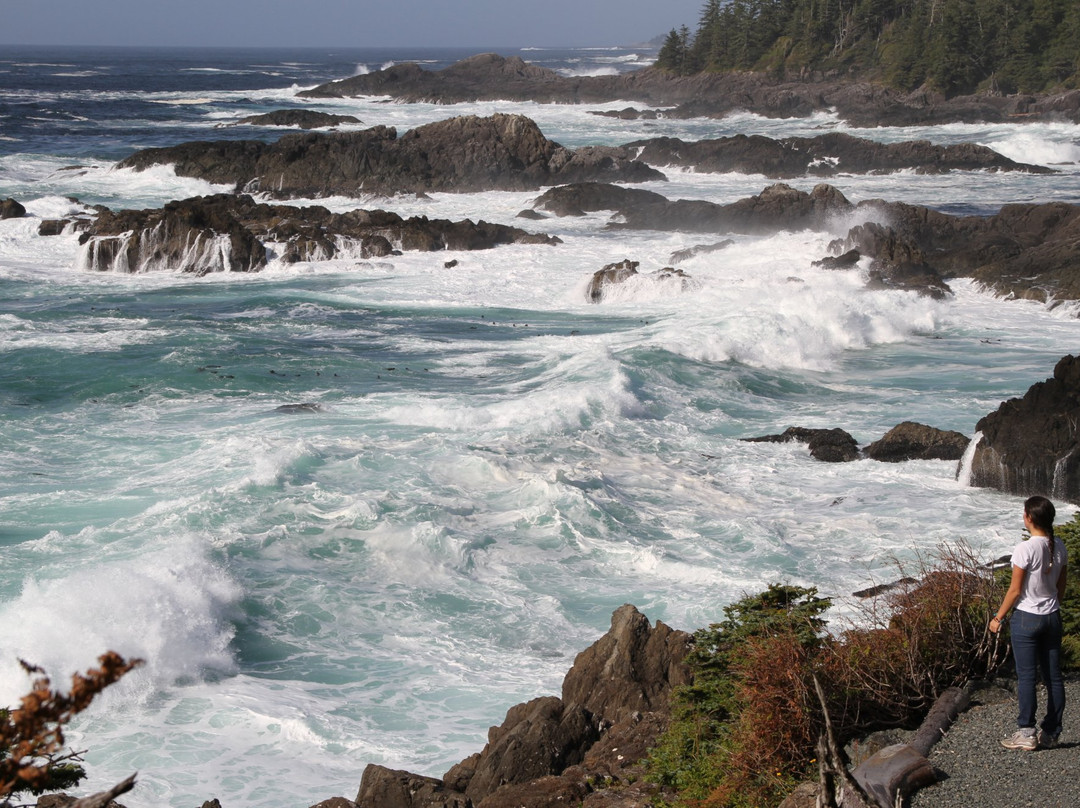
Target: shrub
[(746, 728), (32, 735)]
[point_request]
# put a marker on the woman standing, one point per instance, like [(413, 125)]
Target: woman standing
[(1035, 590)]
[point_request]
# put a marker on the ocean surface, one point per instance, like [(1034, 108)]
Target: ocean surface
[(496, 464)]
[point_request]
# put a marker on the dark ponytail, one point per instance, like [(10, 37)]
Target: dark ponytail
[(1041, 512)]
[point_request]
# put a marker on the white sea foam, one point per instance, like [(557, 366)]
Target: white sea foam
[(379, 580), (168, 606)]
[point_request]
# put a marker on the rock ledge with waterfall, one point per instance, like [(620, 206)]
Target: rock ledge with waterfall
[(1031, 445)]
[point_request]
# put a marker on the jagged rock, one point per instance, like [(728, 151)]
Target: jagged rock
[(618, 273), (303, 118), (539, 738), (822, 156), (913, 441), (679, 256), (333, 802), (610, 274), (387, 788), (464, 154), (845, 261), (830, 445), (195, 235), (778, 207), (632, 668), (542, 792), (546, 752), (10, 209), (231, 233), (1031, 445), (898, 262)]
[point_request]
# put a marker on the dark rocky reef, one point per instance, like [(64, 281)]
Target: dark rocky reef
[(821, 156), (10, 209), (465, 154), (906, 441), (914, 441), (1031, 445), (581, 749), (778, 207), (227, 233), (1029, 251), (302, 118), (829, 445), (619, 273), (492, 77)]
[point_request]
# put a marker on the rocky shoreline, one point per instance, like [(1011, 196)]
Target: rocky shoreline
[(489, 77)]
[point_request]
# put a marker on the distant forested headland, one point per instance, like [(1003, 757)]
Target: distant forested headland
[(953, 46)]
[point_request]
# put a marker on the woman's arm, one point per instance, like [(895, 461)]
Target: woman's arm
[(1061, 583), (1016, 586)]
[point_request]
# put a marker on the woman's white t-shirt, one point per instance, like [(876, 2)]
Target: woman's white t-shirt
[(1039, 594)]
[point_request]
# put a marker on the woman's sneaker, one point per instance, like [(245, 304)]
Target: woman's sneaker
[(1047, 741), (1020, 740)]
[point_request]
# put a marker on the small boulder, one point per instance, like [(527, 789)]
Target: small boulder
[(10, 209), (913, 441), (829, 445), (388, 788)]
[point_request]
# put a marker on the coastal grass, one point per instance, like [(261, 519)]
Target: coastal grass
[(745, 731)]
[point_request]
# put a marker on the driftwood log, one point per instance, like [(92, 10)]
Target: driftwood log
[(891, 775)]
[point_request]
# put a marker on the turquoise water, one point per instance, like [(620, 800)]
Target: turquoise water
[(490, 465)]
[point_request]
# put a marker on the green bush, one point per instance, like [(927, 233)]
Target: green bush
[(746, 728)]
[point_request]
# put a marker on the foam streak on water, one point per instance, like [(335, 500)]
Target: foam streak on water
[(494, 465)]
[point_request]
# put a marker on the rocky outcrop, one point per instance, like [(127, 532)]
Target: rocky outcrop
[(1024, 251), (226, 233), (465, 154), (1031, 445), (619, 273), (1027, 251), (301, 118), (821, 156), (778, 207), (10, 209), (491, 77), (614, 705), (914, 441), (829, 445)]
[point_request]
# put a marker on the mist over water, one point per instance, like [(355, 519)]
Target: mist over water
[(493, 464)]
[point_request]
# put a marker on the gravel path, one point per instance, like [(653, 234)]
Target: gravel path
[(980, 773)]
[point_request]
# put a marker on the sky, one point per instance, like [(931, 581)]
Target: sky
[(342, 23)]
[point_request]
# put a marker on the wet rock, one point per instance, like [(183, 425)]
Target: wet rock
[(618, 273), (195, 235), (302, 118), (1031, 445), (293, 409), (679, 256), (333, 802), (463, 155), (580, 198), (914, 441), (387, 788), (778, 207), (845, 261), (821, 156), (829, 445), (10, 209), (233, 233)]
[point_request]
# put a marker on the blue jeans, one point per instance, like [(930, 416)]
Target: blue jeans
[(1036, 643)]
